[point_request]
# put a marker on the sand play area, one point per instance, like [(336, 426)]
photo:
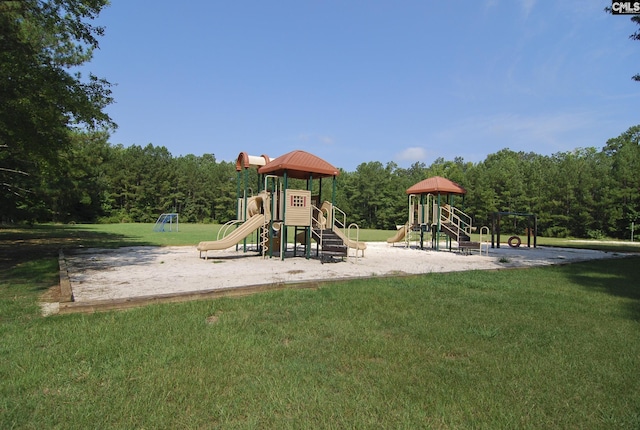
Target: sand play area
[(99, 277)]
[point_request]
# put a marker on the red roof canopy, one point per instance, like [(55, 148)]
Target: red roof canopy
[(300, 165), (436, 185)]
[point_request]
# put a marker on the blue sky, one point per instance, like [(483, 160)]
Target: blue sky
[(360, 81)]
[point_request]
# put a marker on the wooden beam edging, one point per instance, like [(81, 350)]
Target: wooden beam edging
[(66, 294), (91, 306)]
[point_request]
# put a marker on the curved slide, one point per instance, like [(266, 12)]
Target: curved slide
[(358, 246), (248, 227), (400, 234)]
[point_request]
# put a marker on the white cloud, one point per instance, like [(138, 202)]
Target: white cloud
[(412, 154)]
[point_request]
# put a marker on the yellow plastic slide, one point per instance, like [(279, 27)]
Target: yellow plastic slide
[(358, 246), (248, 227), (400, 234)]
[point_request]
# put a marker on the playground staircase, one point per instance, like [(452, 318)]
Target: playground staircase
[(455, 232), (464, 240), (332, 248)]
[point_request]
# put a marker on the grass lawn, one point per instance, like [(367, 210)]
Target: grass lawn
[(552, 347)]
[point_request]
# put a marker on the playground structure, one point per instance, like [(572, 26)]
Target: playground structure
[(164, 219), (431, 209), (276, 209)]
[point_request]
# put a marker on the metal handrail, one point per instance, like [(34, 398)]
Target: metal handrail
[(482, 229), (460, 215), (357, 227), (227, 226), (341, 224), (455, 219), (318, 222)]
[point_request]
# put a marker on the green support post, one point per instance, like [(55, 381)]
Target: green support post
[(438, 229), (307, 247), (283, 228), (246, 183), (238, 195), (333, 193), (421, 217), (273, 211)]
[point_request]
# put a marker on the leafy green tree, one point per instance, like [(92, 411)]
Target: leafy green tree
[(345, 188), (187, 198), (141, 182), (453, 170), (414, 174), (206, 190), (373, 195), (41, 41), (506, 177), (571, 188), (74, 188), (624, 208), (224, 188), (480, 199)]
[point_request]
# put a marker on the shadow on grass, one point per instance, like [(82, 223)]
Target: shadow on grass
[(22, 244), (618, 277)]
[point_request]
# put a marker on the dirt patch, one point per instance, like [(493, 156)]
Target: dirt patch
[(51, 295), (213, 319)]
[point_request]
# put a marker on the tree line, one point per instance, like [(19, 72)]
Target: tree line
[(582, 193)]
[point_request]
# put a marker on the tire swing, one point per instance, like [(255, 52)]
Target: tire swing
[(514, 241)]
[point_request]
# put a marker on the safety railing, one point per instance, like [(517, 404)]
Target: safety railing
[(453, 216), (224, 230), (357, 240), (341, 224), (484, 229), (319, 223)]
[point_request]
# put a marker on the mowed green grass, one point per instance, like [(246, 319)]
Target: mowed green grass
[(192, 234), (553, 347)]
